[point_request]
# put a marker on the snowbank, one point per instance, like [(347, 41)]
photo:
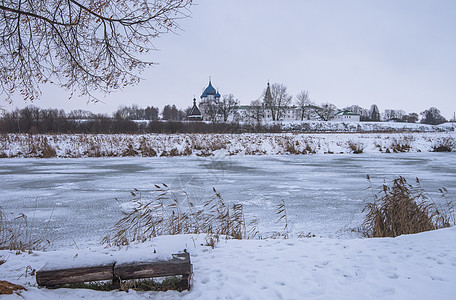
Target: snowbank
[(421, 266), (103, 145), (334, 126)]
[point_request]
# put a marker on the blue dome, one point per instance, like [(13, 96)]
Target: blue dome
[(209, 91), (217, 95)]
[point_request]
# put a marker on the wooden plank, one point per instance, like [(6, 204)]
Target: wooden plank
[(75, 275), (179, 265)]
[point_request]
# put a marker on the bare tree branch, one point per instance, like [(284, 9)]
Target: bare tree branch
[(85, 45), (276, 99)]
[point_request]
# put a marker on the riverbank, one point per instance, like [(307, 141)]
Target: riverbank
[(151, 145)]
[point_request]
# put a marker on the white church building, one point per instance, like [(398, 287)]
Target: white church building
[(261, 113)]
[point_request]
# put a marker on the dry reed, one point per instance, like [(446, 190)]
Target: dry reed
[(405, 209), (171, 213), (18, 234)]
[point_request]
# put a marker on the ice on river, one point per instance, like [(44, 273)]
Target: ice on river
[(324, 194)]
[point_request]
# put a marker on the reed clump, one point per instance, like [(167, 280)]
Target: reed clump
[(356, 147), (401, 145), (18, 234), (447, 144), (403, 208), (170, 213)]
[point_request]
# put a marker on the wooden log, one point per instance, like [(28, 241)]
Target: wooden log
[(185, 281), (179, 265), (51, 278)]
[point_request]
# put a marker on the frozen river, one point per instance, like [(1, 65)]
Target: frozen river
[(324, 194)]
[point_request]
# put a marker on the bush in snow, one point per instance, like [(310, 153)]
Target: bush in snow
[(444, 145), (357, 148), (405, 209)]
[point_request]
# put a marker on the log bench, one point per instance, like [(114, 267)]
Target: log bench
[(178, 265)]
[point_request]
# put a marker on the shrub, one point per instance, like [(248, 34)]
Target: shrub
[(308, 149), (130, 151), (401, 145), (146, 149), (357, 148), (444, 145), (405, 209)]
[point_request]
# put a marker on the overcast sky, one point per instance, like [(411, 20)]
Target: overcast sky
[(397, 54)]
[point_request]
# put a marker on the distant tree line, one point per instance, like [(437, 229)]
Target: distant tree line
[(33, 120), (134, 119), (277, 100)]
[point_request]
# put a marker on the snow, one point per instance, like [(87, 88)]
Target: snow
[(116, 145), (420, 266), (324, 195), (351, 126)]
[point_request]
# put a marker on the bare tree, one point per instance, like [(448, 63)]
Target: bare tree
[(88, 45), (256, 110), (410, 118), (393, 114), (210, 110), (432, 116), (226, 106), (326, 111), (276, 99), (305, 104), (151, 113), (80, 114), (170, 113)]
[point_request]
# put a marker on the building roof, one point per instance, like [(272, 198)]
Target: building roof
[(346, 113), (268, 96), (209, 90), (194, 112)]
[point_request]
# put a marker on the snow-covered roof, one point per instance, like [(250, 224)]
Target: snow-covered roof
[(346, 113)]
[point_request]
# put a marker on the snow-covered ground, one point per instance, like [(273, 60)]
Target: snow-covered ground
[(336, 126), (324, 195), (116, 145), (421, 266)]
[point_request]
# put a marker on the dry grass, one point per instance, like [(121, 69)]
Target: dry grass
[(8, 288), (147, 145), (405, 209), (18, 234), (171, 213), (444, 145), (356, 147), (401, 145), (282, 214), (168, 283)]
